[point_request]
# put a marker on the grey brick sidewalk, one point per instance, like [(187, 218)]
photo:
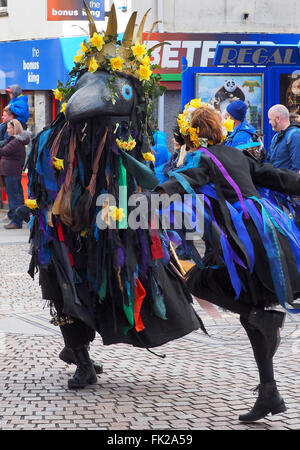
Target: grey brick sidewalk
[(203, 383)]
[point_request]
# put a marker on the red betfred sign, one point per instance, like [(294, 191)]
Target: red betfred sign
[(199, 48)]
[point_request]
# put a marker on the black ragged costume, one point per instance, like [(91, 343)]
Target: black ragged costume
[(117, 281), (253, 248)]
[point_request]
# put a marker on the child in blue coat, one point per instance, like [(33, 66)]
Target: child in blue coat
[(18, 104)]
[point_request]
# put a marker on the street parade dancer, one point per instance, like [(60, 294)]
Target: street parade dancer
[(252, 258), (99, 274)]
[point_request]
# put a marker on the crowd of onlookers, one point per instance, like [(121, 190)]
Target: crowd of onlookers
[(283, 152)]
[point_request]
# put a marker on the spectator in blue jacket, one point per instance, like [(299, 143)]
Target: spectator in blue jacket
[(284, 150), (18, 104), (161, 154), (242, 132)]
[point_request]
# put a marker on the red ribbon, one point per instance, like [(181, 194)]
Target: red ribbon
[(139, 293), (62, 239), (156, 247)]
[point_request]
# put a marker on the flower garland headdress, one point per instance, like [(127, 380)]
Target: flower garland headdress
[(104, 51), (184, 121)]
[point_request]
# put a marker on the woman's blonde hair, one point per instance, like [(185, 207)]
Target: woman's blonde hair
[(208, 123), (18, 129)]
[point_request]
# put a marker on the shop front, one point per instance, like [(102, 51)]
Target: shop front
[(36, 65), (261, 75)]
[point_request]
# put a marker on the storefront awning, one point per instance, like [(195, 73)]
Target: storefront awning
[(37, 64)]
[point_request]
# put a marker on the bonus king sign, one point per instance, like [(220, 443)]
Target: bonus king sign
[(74, 9)]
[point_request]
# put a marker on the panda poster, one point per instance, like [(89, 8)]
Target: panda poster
[(221, 89)]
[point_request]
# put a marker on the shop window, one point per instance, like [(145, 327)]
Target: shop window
[(3, 8), (31, 121)]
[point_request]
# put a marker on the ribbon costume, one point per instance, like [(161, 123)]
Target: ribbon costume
[(252, 253), (99, 274)]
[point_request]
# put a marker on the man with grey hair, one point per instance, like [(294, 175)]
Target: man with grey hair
[(284, 151)]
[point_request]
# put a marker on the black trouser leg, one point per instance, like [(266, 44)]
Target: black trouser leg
[(259, 347), (226, 302), (257, 339), (77, 334), (200, 285)]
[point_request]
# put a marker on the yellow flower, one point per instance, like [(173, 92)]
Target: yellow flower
[(149, 156), (58, 163), (194, 139), (229, 124), (195, 103), (63, 107), (132, 144), (146, 61), (184, 126), (78, 58), (31, 203), (139, 50), (144, 73), (84, 232), (116, 213), (57, 94), (126, 145), (116, 63), (93, 66), (83, 47), (97, 41)]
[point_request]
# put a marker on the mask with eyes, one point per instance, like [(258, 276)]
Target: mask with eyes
[(93, 98)]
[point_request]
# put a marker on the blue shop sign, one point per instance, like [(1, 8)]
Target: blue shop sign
[(37, 64), (257, 55)]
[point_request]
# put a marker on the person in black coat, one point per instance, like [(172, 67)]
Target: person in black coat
[(12, 156), (7, 116), (252, 248)]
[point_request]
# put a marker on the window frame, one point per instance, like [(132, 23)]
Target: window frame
[(3, 8)]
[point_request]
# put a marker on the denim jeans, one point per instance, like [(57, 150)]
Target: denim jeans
[(14, 191)]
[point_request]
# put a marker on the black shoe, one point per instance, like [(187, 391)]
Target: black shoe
[(12, 226), (67, 356), (85, 373), (269, 401), (268, 323)]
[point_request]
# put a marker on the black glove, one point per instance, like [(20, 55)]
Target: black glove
[(24, 213)]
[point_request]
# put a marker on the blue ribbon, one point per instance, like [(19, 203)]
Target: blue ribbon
[(268, 237)]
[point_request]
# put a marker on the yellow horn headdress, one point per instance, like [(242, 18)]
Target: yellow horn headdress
[(103, 51)]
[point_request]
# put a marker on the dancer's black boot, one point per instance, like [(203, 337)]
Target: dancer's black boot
[(269, 401), (85, 373), (268, 323), (67, 356)]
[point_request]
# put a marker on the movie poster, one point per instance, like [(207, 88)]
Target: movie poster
[(290, 91), (221, 89)]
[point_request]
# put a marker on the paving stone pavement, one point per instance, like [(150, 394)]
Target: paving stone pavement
[(203, 383)]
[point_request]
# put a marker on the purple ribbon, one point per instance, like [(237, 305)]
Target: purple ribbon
[(229, 179)]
